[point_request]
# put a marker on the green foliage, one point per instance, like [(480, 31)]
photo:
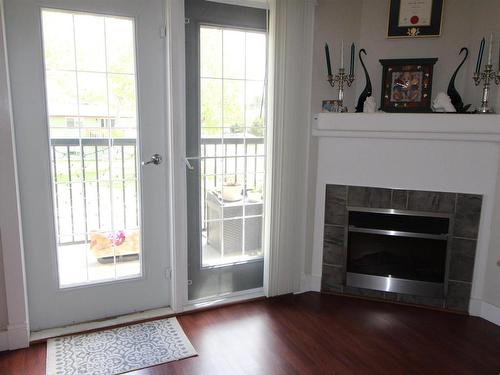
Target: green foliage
[(236, 128), (257, 127)]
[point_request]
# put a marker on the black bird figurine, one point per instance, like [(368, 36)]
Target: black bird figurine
[(452, 92), (368, 88)]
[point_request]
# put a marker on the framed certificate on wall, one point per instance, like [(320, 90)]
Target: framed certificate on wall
[(415, 18)]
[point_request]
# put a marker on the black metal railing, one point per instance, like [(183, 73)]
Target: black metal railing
[(71, 159), (235, 153)]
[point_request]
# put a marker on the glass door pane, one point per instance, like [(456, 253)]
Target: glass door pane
[(232, 139), (92, 108)]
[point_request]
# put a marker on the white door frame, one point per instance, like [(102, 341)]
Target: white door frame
[(17, 333), (176, 99)]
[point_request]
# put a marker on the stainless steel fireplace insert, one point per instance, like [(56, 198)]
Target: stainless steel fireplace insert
[(398, 251)]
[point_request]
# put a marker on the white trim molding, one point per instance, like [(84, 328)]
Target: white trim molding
[(14, 337), (310, 172), (4, 341), (310, 283), (276, 68), (10, 215), (436, 127), (485, 310), (176, 117), (305, 283), (17, 335), (290, 40)]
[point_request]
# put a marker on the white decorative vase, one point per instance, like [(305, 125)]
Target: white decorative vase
[(232, 193), (254, 196)]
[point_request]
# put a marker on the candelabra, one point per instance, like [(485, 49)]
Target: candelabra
[(341, 79), (487, 76)]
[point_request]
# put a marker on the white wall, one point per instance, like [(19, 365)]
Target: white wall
[(491, 293), (465, 22), (334, 20)]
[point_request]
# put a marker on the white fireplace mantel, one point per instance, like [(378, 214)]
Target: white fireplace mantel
[(430, 152), (436, 126)]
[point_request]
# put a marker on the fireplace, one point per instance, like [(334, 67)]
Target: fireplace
[(399, 251), (408, 246)]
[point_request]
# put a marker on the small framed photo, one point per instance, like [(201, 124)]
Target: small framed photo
[(407, 85), (330, 106), (415, 18)]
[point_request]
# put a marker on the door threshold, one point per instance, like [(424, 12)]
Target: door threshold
[(224, 299), (191, 306), (99, 324)]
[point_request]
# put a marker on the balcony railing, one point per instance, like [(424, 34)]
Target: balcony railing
[(83, 177)]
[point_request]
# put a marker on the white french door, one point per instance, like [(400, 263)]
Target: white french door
[(88, 89)]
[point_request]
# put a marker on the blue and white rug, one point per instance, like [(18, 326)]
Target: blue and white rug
[(118, 350)]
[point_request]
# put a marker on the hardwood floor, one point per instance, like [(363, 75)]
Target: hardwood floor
[(319, 334)]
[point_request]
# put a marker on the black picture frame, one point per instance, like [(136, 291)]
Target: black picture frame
[(432, 30), (407, 85)]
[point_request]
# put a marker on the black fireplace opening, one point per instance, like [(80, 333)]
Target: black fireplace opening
[(398, 251)]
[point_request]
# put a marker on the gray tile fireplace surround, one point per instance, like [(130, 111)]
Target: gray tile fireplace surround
[(465, 207)]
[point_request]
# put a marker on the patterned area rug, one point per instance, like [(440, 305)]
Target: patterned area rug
[(118, 350)]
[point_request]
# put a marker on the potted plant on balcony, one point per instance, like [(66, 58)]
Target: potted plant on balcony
[(231, 189)]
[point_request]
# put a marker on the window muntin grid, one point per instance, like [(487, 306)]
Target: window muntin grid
[(92, 113), (232, 144)]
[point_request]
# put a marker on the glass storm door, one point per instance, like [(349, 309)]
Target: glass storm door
[(226, 133), (88, 108)]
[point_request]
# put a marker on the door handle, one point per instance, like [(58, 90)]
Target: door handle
[(188, 163), (156, 159)]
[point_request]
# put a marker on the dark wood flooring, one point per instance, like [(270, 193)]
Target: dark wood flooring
[(319, 334)]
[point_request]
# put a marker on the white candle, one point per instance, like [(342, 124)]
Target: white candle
[(342, 55), (490, 52)]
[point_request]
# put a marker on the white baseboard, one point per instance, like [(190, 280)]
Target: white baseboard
[(4, 341), (14, 337), (310, 283), (316, 283), (305, 283), (18, 335), (485, 310)]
